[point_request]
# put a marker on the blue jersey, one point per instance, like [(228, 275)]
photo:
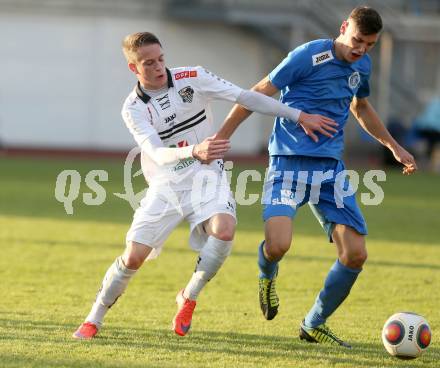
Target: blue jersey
[(313, 80)]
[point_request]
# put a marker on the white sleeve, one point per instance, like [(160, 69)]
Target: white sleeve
[(215, 87), (263, 104), (161, 155), (149, 141)]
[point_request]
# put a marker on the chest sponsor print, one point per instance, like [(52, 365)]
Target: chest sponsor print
[(183, 141)]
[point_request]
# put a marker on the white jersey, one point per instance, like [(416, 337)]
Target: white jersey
[(181, 116)]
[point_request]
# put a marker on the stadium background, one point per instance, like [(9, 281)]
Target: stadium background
[(62, 82), (64, 77)]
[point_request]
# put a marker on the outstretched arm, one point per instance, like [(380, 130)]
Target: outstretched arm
[(373, 125), (238, 113), (257, 100)]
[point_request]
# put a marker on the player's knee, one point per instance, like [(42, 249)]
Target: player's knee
[(224, 232), (277, 247), (132, 260), (355, 259), (135, 255), (225, 235)]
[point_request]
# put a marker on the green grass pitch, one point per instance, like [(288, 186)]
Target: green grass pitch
[(51, 266)]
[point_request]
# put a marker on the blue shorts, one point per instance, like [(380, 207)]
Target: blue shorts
[(292, 181)]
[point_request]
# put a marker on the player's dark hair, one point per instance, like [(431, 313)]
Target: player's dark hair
[(367, 20), (133, 41)]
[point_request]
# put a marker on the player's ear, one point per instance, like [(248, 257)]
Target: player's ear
[(133, 68), (344, 27)]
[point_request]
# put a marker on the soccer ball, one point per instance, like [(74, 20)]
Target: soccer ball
[(406, 335)]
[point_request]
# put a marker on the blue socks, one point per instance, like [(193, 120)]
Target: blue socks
[(267, 268), (337, 286)]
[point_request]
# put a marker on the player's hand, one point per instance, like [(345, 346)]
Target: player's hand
[(405, 158), (312, 123), (211, 149)]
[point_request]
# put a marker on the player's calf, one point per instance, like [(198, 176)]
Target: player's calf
[(211, 258), (113, 285)]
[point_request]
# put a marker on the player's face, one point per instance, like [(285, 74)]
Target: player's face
[(354, 43), (150, 66)]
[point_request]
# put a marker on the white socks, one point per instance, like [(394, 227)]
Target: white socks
[(114, 284), (211, 258)]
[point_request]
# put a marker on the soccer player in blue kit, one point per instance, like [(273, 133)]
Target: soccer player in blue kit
[(328, 77)]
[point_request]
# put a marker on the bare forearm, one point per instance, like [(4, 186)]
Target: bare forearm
[(370, 121), (373, 125), (237, 114)]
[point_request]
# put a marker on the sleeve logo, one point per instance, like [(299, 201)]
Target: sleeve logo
[(322, 57), (185, 74)]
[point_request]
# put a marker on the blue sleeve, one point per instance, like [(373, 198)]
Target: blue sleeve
[(294, 67), (364, 88)]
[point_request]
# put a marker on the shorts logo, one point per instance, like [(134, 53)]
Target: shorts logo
[(187, 94), (354, 80), (322, 57), (186, 74)]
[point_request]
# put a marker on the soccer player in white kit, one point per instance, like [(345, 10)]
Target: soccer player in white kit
[(169, 115)]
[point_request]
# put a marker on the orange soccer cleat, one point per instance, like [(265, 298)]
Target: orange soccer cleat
[(86, 331), (183, 317)]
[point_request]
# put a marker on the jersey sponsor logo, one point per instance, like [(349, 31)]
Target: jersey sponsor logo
[(322, 57), (186, 162), (187, 94), (164, 102), (354, 80), (185, 74), (183, 164), (180, 144), (170, 118)]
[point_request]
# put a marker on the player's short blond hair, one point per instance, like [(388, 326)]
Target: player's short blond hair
[(134, 41)]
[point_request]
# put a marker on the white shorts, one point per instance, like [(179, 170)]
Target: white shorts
[(162, 211)]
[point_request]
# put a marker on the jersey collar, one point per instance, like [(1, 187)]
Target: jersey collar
[(144, 97)]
